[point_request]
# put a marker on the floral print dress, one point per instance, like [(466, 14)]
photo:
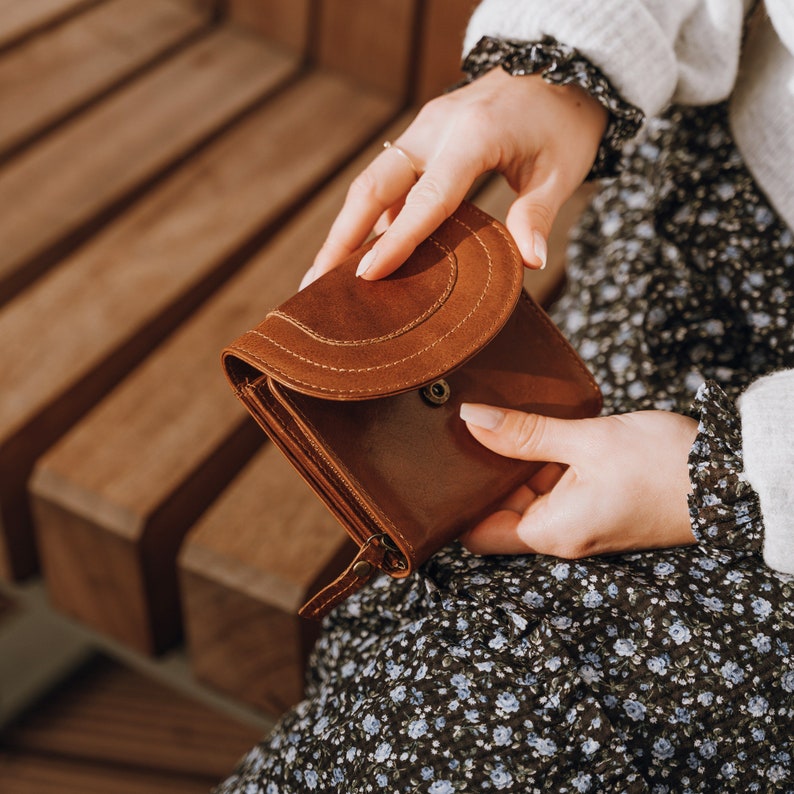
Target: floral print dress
[(660, 671)]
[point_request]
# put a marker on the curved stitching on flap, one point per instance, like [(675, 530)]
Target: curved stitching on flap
[(473, 346), (394, 334)]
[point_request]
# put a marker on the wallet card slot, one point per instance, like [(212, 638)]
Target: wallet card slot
[(281, 421)]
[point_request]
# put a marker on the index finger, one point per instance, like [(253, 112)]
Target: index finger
[(378, 187), (434, 197)]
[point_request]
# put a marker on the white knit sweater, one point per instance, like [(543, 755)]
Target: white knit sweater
[(691, 52)]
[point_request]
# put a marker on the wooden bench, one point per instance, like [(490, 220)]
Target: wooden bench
[(109, 729), (57, 75), (165, 187)]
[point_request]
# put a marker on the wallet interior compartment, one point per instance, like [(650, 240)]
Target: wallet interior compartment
[(411, 461), (265, 401)]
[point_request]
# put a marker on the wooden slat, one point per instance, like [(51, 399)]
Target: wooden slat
[(443, 24), (371, 41), (111, 715), (57, 72), (245, 569), (57, 191), (28, 773), (50, 377), (285, 21), (21, 18), (173, 433), (158, 254)]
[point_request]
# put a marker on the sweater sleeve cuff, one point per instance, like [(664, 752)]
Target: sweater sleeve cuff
[(723, 507), (562, 65), (622, 37), (767, 415)]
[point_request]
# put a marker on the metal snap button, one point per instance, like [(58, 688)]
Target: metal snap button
[(437, 393), (362, 569)]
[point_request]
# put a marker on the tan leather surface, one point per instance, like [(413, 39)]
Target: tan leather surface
[(353, 578), (397, 464), (345, 338)]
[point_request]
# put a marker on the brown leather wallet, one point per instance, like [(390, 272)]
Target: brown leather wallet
[(359, 384)]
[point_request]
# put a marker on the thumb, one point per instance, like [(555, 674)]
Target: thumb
[(530, 218), (524, 436)]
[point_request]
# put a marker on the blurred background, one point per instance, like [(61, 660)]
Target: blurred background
[(168, 168)]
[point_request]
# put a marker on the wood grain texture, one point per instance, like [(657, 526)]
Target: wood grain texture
[(103, 585), (443, 23), (30, 773), (261, 550), (172, 434), (58, 191), (79, 327), (370, 41), (109, 714), (107, 729), (56, 72), (175, 410), (22, 18), (284, 21)]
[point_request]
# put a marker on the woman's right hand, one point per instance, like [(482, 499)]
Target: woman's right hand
[(542, 137)]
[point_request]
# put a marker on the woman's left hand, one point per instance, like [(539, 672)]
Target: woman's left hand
[(623, 484), (542, 137)]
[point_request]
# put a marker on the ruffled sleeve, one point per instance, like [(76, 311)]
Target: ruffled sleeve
[(562, 65), (653, 51), (723, 507)]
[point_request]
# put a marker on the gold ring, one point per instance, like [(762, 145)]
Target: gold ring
[(396, 148)]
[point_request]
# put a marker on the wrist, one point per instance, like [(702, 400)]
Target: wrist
[(562, 65)]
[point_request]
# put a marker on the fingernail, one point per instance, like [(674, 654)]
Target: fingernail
[(307, 279), (366, 262), (481, 416), (540, 247)]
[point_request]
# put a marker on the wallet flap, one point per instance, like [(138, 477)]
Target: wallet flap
[(390, 336)]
